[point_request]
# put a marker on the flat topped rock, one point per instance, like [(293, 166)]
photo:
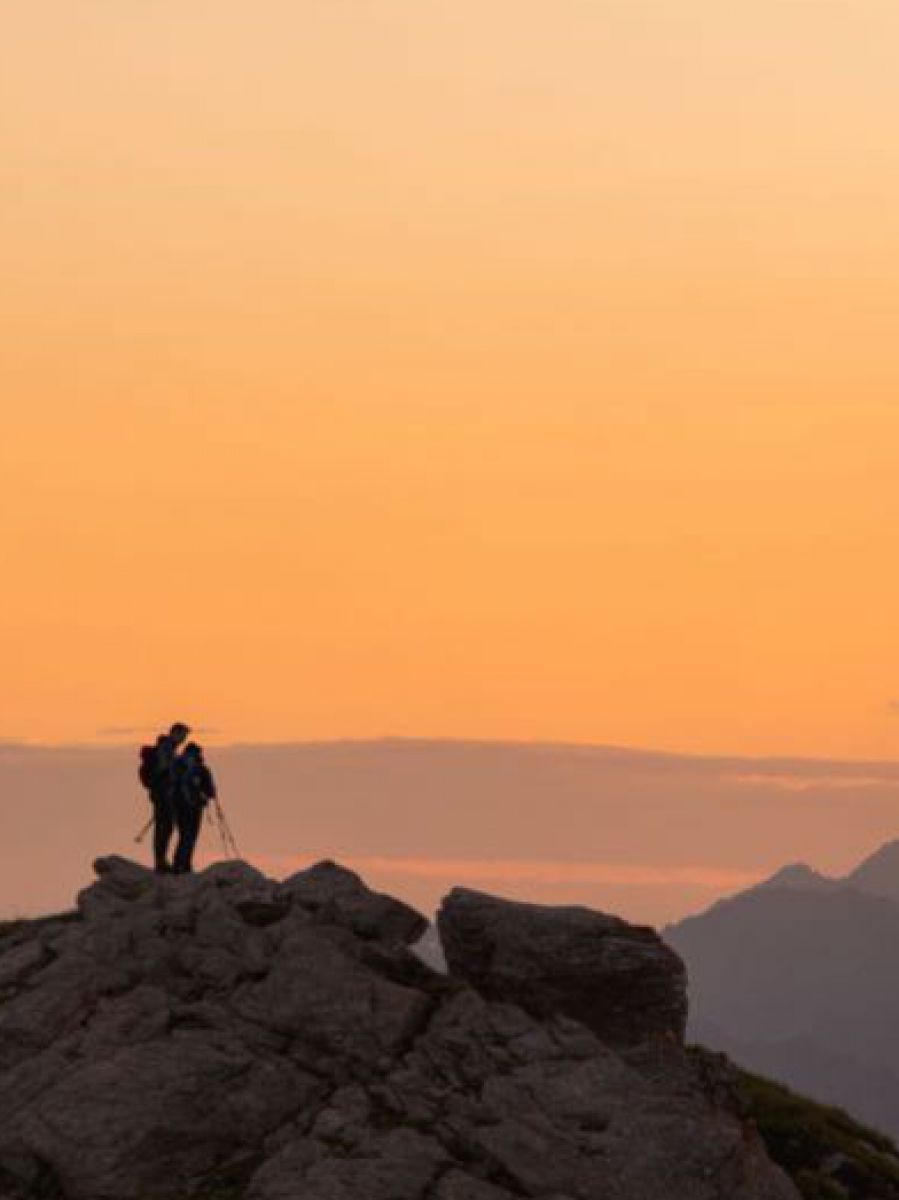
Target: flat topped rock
[(620, 980)]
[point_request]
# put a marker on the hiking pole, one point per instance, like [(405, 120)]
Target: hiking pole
[(146, 829), (217, 822), (230, 836), (228, 843), (206, 817), (212, 814)]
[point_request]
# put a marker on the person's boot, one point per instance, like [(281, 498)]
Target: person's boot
[(163, 869)]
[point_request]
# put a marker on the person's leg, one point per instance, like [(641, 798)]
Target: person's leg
[(180, 824), (193, 832), (162, 831), (188, 818)]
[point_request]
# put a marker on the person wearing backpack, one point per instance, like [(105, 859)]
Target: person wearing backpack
[(158, 766), (194, 788)]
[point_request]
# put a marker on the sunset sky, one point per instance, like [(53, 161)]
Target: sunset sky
[(489, 370), (650, 836)]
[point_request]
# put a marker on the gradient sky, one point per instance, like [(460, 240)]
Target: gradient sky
[(521, 370)]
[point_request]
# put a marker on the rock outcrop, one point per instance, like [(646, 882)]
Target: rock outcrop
[(222, 1036), (619, 980)]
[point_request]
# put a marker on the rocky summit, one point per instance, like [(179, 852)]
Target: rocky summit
[(223, 1035)]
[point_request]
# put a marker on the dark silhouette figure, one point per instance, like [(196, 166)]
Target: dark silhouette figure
[(158, 773), (194, 788)]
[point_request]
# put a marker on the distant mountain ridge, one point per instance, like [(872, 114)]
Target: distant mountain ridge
[(798, 977), (878, 875), (800, 877)]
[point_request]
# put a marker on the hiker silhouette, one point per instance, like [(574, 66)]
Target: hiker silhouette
[(194, 788), (159, 775)]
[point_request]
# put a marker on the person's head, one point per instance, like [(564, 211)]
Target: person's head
[(179, 732), (193, 750)]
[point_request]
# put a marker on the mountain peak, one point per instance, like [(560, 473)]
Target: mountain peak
[(799, 877), (878, 874)]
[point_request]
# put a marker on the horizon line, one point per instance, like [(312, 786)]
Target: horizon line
[(608, 749)]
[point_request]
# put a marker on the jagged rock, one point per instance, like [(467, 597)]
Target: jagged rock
[(338, 895), (119, 881), (620, 980), (123, 877), (19, 962), (221, 1037)]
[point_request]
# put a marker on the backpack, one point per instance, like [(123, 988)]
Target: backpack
[(146, 772)]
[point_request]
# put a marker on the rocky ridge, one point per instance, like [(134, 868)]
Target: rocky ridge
[(224, 1036)]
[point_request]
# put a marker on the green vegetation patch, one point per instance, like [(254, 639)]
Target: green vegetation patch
[(829, 1155)]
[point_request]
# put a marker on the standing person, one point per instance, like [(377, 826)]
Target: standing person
[(158, 774), (194, 788)]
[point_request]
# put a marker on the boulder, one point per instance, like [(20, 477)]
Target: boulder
[(340, 897), (119, 881), (123, 877), (620, 980), (235, 874)]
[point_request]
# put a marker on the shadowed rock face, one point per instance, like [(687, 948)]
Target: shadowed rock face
[(619, 980), (222, 1036), (340, 897)]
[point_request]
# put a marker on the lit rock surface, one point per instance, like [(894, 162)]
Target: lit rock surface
[(222, 1036)]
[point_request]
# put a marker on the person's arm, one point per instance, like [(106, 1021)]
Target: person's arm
[(163, 763), (209, 791)]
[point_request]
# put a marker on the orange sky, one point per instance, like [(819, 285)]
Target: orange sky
[(492, 370)]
